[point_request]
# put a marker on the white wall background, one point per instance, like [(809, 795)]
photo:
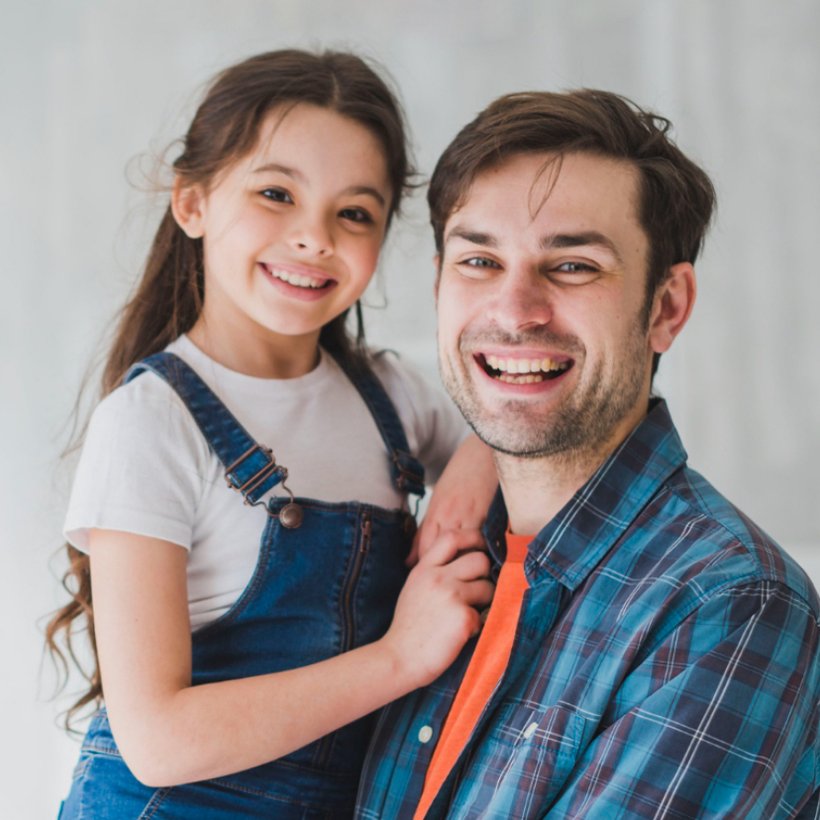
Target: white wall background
[(86, 85)]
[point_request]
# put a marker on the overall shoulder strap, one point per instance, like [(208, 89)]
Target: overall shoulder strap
[(406, 470), (250, 468)]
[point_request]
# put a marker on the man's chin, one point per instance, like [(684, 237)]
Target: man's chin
[(513, 439)]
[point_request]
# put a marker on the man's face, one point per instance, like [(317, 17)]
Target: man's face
[(543, 340)]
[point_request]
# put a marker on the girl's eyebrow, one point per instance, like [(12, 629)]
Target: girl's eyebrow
[(282, 169), (354, 190), (293, 173)]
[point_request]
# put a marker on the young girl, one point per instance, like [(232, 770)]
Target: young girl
[(237, 673)]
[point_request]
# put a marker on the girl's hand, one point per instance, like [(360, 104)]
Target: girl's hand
[(171, 732), (438, 609), (461, 497)]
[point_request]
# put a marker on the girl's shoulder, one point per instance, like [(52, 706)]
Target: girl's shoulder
[(146, 401), (145, 412), (143, 468)]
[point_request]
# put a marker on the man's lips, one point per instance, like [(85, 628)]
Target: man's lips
[(298, 276), (529, 369)]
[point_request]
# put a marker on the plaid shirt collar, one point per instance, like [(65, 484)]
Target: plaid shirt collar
[(579, 536)]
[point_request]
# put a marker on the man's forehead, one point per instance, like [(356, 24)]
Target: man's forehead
[(589, 180)]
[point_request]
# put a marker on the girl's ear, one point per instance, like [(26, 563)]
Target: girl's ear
[(187, 206), (671, 306)]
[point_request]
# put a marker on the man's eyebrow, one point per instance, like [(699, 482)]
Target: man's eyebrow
[(578, 240), (474, 237), (293, 173), (548, 242)]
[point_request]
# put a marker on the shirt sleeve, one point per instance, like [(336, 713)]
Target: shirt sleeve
[(720, 719), (141, 468), (432, 423)]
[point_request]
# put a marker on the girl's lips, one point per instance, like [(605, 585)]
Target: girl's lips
[(306, 284)]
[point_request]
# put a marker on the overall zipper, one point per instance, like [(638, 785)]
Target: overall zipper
[(348, 626), (348, 623)]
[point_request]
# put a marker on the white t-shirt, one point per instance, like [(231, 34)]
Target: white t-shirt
[(146, 468)]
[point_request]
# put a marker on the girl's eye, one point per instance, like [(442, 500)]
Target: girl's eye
[(356, 215), (277, 195)]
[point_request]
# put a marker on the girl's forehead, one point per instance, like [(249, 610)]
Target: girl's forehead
[(314, 147), (303, 125), (303, 139)]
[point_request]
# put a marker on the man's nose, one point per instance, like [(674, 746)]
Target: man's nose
[(522, 301)]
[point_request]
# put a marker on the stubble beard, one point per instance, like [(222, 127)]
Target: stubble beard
[(578, 429)]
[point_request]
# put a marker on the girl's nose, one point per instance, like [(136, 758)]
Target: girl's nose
[(311, 236), (522, 301)]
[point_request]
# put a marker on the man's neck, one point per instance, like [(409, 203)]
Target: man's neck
[(536, 489)]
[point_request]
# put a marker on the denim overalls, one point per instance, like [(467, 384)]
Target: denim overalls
[(319, 588)]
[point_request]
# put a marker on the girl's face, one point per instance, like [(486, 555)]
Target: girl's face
[(291, 236)]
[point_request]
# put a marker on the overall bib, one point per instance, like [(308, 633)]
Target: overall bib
[(326, 580)]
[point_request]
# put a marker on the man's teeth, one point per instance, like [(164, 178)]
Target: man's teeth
[(525, 371), (296, 279)]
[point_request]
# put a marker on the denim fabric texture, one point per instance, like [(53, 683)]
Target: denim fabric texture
[(317, 590)]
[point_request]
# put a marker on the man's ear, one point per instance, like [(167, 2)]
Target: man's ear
[(437, 265), (671, 306), (188, 208)]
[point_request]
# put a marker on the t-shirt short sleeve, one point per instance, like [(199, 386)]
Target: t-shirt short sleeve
[(141, 469), (432, 423)]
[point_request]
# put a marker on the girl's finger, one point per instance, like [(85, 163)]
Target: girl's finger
[(450, 543)]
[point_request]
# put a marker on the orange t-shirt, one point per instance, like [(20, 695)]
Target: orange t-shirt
[(490, 659)]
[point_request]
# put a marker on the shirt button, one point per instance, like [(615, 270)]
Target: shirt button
[(530, 731), (425, 733)]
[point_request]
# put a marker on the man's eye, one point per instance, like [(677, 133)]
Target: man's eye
[(573, 273), (277, 195), (477, 267), (356, 215), (575, 267), (480, 262)]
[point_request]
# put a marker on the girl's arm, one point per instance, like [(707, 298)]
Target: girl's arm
[(461, 497), (170, 732)]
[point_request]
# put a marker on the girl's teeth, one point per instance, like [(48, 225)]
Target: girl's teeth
[(296, 279)]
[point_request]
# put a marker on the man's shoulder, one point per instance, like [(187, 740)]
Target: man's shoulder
[(703, 539)]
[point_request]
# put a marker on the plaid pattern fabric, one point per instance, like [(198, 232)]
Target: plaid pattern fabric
[(666, 664)]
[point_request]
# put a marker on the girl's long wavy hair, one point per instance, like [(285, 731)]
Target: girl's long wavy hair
[(168, 298)]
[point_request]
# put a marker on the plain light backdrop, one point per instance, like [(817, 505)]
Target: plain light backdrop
[(90, 90)]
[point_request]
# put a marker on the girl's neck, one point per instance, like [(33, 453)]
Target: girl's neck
[(262, 354)]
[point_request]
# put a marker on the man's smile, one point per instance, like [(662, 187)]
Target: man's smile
[(522, 370)]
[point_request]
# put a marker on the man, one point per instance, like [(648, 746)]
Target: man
[(649, 652)]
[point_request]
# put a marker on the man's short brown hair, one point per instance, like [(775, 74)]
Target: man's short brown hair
[(676, 197)]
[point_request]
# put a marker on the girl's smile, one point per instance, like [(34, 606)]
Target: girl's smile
[(297, 281), (291, 235)]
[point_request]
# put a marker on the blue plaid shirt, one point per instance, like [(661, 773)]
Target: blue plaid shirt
[(666, 664)]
